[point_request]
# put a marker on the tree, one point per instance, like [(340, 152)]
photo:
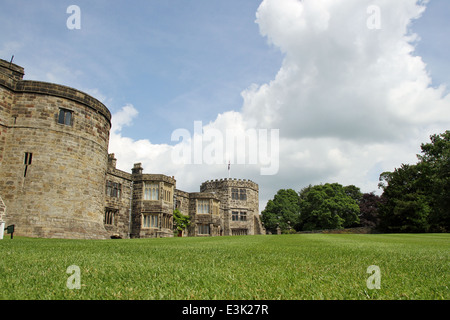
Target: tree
[(418, 196), (368, 207), (328, 206), (282, 211), (353, 192), (435, 162), (180, 221), (407, 205)]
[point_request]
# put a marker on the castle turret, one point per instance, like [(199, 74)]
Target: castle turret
[(53, 157), (239, 201)]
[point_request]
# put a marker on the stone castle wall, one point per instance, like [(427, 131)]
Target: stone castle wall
[(214, 220), (9, 75), (58, 181), (119, 188), (53, 174), (6, 101), (162, 208), (182, 201), (250, 206)]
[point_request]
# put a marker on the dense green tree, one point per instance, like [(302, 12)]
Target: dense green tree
[(282, 211), (353, 192), (328, 206), (180, 221), (407, 206), (418, 196), (435, 162)]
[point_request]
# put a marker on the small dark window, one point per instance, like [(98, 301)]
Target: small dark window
[(203, 229), (65, 117), (242, 194), (110, 217), (27, 161), (235, 194), (28, 158), (113, 189)]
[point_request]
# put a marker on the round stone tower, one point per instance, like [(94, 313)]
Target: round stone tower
[(53, 158)]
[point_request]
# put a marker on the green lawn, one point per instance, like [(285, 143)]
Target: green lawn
[(306, 266)]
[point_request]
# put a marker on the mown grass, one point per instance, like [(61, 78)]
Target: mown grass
[(287, 267)]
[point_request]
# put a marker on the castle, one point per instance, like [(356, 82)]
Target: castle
[(57, 179)]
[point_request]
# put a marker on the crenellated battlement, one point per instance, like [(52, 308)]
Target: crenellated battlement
[(228, 183)]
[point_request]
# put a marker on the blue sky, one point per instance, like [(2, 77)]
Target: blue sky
[(175, 61), (434, 46), (349, 102)]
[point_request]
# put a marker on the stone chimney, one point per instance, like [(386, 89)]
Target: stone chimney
[(137, 169), (112, 161)]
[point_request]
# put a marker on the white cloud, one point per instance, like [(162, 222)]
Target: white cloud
[(349, 101), (129, 151), (124, 117), (340, 78), (347, 98)]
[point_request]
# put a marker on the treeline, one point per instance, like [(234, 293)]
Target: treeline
[(415, 198)]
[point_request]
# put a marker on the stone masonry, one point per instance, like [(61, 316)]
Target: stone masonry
[(205, 213), (144, 203), (239, 202), (58, 180), (119, 190), (53, 157)]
